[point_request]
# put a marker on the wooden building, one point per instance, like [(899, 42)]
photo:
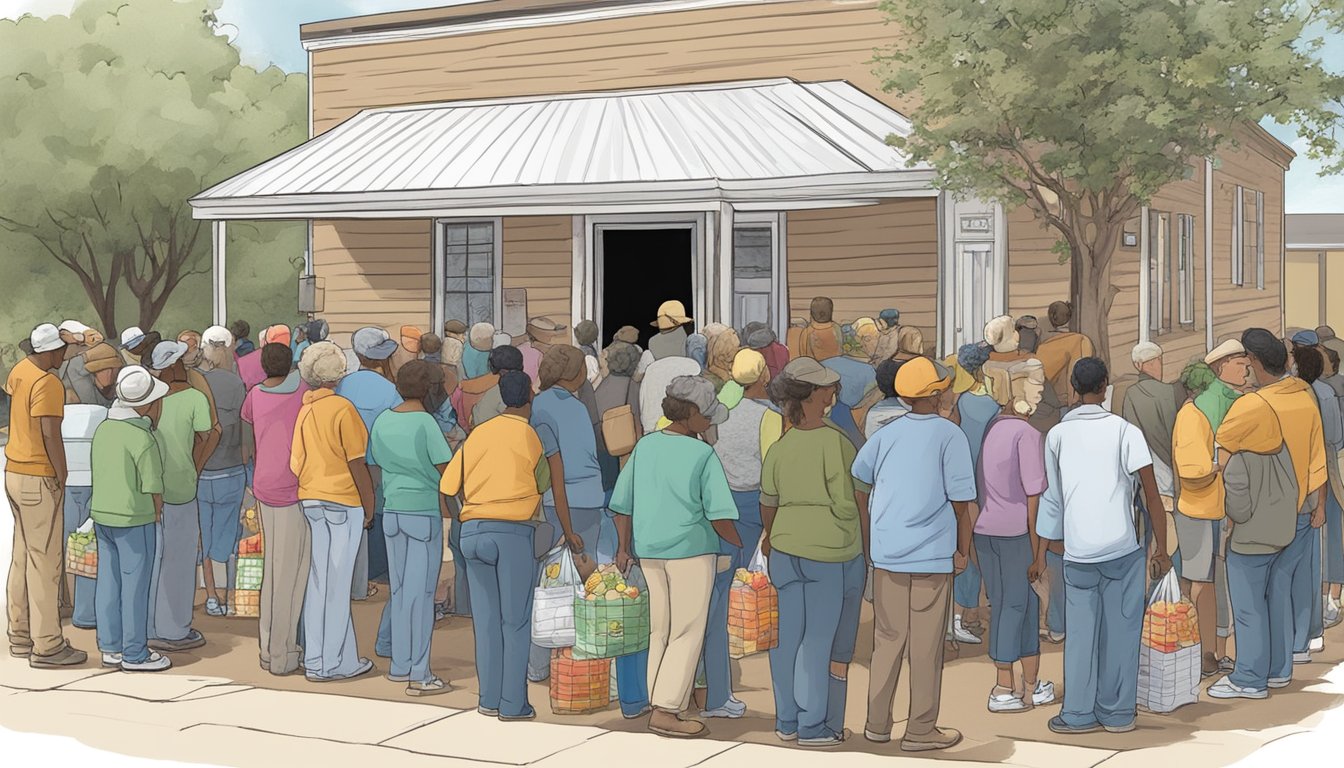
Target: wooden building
[(1314, 279), (592, 158)]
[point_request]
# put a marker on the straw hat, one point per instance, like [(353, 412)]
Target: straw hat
[(671, 314)]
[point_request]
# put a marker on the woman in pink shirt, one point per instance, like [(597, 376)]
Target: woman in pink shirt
[(269, 415), (1011, 478)]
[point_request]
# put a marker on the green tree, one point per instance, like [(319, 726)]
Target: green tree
[(1083, 110), (110, 119)]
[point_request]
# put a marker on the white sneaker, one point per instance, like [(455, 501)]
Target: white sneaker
[(111, 660), (1280, 682), (1225, 689), (1006, 702), (731, 710), (1330, 615), (1044, 693), (1302, 658), (963, 635), (1316, 645), (155, 663)]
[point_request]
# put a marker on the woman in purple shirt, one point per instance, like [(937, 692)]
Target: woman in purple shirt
[(1012, 479)]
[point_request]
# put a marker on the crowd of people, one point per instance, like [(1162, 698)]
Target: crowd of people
[(1014, 493)]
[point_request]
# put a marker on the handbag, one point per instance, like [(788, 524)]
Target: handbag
[(620, 430)]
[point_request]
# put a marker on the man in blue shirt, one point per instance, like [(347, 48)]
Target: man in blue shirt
[(920, 470)]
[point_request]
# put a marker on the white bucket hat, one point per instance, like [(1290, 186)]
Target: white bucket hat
[(137, 387)]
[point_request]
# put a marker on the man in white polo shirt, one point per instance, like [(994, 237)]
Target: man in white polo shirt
[(1092, 460)]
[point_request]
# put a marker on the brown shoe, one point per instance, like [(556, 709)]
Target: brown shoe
[(672, 725), (66, 657), (938, 738)]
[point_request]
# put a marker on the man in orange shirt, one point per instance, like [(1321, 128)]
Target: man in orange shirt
[(822, 339), (1058, 352), (35, 474)]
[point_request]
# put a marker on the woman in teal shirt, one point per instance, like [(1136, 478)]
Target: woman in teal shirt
[(408, 445)]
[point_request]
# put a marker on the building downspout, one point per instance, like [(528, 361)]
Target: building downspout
[(308, 247), (1145, 276), (1209, 341)]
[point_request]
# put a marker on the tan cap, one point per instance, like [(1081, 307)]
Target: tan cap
[(809, 371), (920, 377), (101, 357), (1228, 348)]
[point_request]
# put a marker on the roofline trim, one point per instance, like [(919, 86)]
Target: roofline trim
[(392, 33)]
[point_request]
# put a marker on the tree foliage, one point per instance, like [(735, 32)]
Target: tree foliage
[(1083, 110), (110, 119)]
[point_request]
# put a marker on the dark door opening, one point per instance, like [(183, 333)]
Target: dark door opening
[(642, 268)]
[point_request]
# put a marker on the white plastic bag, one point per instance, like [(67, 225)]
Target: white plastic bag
[(1169, 650), (553, 600), (758, 562)]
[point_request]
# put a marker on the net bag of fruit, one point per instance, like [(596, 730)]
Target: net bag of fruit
[(250, 570), (753, 610), (611, 616), (1169, 654), (579, 686), (553, 600), (81, 552)]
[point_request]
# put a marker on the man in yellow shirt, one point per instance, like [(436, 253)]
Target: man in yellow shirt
[(1283, 412), (35, 474), (501, 471)]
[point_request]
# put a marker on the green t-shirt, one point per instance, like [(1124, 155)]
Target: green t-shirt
[(674, 488), (806, 476), (127, 472), (184, 414), (407, 447)]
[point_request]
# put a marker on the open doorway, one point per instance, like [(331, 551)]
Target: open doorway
[(640, 269)]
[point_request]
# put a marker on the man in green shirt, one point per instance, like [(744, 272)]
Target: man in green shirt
[(187, 435), (127, 500)]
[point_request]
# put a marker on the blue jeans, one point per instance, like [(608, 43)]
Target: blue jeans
[(1014, 629), (330, 650), (632, 682), (461, 579), (415, 554), (172, 588), (125, 566), (966, 586), (74, 511), (503, 568), (1054, 612), (219, 502), (715, 666), (818, 623), (1334, 540), (1101, 655), (1263, 624), (1295, 576)]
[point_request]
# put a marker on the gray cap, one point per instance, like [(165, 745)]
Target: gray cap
[(373, 343), (698, 391), (809, 371), (761, 338), (165, 353)]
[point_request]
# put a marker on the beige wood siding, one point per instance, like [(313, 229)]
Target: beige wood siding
[(1236, 308), (374, 273), (1303, 285), (821, 40), (538, 256), (866, 260)]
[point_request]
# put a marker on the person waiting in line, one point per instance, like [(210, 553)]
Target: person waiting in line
[(586, 335), (1028, 334), (488, 404), (249, 365), (542, 334), (814, 538), (431, 348), (1334, 524), (407, 445), (1059, 351), (977, 409), (476, 350), (723, 347), (127, 500), (673, 507), (822, 339), (758, 336), (891, 406), (857, 381), (269, 415), (241, 331), (1011, 478), (499, 473), (915, 481), (1091, 460), (1310, 366), (187, 438), (336, 494), (223, 481)]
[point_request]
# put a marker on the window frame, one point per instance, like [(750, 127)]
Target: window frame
[(1185, 270), (1160, 267), (775, 222), (440, 272), (1238, 234)]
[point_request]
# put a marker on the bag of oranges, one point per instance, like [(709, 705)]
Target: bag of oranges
[(753, 610), (1169, 654)]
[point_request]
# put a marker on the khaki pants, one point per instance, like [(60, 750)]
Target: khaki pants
[(910, 611), (36, 566), (285, 555), (679, 592)]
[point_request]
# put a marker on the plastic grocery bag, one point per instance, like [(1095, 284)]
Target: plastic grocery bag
[(81, 552), (611, 621), (1169, 653), (553, 600), (753, 609)]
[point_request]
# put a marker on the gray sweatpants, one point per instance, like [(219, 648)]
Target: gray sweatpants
[(172, 589)]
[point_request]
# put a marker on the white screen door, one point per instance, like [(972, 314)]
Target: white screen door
[(974, 281)]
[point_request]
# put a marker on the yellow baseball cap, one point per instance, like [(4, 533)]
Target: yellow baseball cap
[(922, 377)]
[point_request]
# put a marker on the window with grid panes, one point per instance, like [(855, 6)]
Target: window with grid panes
[(469, 271), (753, 275)]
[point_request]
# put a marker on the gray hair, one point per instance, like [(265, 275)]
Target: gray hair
[(322, 364), (1145, 352)]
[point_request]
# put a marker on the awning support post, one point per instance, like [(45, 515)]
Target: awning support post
[(724, 271), (217, 271)]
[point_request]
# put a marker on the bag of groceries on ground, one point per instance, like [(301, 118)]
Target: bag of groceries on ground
[(611, 614), (579, 686), (250, 567), (81, 552), (553, 600), (1169, 654), (753, 610)]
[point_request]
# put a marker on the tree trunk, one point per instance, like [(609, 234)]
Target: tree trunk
[(1091, 285)]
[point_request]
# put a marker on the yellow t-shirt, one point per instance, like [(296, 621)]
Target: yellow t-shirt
[(1282, 412), (328, 436), (1192, 451), (502, 467), (35, 394)]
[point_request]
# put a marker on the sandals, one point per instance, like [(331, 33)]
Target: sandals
[(431, 687), (215, 608)]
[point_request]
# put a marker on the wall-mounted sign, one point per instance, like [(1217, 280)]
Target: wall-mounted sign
[(515, 311), (977, 224), (1130, 239)]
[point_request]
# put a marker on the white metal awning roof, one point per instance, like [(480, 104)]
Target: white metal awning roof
[(761, 144)]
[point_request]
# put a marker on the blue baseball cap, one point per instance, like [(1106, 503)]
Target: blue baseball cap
[(1306, 339)]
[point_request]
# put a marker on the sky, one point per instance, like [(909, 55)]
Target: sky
[(267, 32)]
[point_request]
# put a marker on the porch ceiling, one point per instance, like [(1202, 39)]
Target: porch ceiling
[(776, 143)]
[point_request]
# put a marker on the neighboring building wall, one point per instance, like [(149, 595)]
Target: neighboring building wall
[(375, 272), (538, 256), (866, 260), (1305, 277)]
